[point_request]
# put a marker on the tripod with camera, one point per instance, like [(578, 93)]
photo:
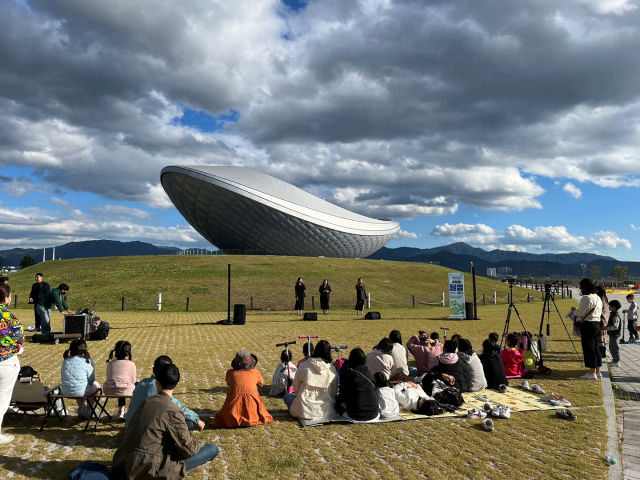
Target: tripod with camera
[(507, 323), (549, 298)]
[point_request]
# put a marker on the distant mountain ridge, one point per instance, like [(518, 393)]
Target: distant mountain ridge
[(459, 255), (86, 249)]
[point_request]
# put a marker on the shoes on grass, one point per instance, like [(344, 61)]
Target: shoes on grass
[(487, 424), (505, 412), (614, 364), (502, 388), (495, 411), (589, 376), (475, 413), (6, 438), (566, 414), (525, 385), (486, 408), (537, 389), (560, 402)]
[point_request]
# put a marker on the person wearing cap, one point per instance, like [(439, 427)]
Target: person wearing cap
[(243, 406)]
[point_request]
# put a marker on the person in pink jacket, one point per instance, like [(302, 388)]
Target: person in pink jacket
[(425, 350), (121, 375), (512, 358)]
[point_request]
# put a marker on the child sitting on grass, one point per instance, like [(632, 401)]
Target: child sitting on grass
[(357, 400), (387, 402), (614, 329), (121, 375), (305, 353), (283, 375), (79, 376), (512, 358)]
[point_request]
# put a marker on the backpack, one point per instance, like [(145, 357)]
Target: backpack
[(101, 332), (529, 360), (90, 471), (449, 397)]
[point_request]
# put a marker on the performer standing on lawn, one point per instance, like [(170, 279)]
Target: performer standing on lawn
[(361, 297), (300, 288), (325, 292), (38, 290), (54, 297)]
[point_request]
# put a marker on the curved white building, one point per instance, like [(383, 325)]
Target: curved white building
[(243, 211)]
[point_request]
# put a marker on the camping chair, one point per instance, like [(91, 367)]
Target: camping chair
[(29, 394)]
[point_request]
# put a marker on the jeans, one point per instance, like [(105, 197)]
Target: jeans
[(45, 318), (288, 399), (37, 317), (9, 370), (207, 453), (614, 348), (413, 372)]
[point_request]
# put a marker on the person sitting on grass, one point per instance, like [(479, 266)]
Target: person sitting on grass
[(472, 366), (447, 364), (79, 376), (424, 349), (121, 375), (315, 386), (400, 355), (158, 444), (412, 397), (495, 338), (512, 358), (283, 375), (380, 359), (387, 403), (357, 400), (243, 406), (492, 365), (147, 388), (305, 353)]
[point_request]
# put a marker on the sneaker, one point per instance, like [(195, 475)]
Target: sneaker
[(6, 438), (525, 385), (84, 413), (589, 376), (599, 374), (536, 388), (482, 398), (505, 412), (486, 408), (475, 413), (560, 402), (566, 414), (502, 388), (487, 424), (495, 411), (614, 364), (122, 415)]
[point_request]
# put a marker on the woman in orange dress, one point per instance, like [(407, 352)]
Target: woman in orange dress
[(243, 406)]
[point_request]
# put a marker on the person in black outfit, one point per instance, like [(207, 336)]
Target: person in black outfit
[(325, 291), (448, 366), (357, 399), (492, 365), (361, 297), (300, 288), (38, 289)]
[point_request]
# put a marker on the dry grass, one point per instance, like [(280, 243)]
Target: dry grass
[(530, 444)]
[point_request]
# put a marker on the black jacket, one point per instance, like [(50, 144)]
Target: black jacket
[(300, 291), (358, 393), (612, 330), (456, 371), (39, 290), (361, 293), (493, 370)]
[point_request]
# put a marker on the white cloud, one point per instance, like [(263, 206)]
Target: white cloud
[(633, 227), (447, 230), (572, 190), (404, 235)]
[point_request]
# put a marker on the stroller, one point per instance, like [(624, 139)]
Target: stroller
[(532, 353)]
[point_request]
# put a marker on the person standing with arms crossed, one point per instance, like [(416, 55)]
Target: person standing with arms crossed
[(38, 289), (325, 292), (361, 297), (54, 297), (632, 318)]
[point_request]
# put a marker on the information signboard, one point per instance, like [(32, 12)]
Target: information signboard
[(456, 296)]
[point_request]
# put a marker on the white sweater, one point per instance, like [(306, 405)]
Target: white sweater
[(387, 402), (408, 397)]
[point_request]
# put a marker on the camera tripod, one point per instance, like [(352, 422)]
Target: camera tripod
[(549, 298), (512, 307)]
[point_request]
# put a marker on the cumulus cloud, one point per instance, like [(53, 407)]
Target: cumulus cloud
[(447, 230), (404, 235), (572, 190)]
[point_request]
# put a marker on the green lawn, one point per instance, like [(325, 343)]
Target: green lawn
[(102, 282), (529, 445)]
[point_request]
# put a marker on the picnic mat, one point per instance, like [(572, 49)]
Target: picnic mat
[(516, 399)]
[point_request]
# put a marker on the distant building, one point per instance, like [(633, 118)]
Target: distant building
[(243, 211)]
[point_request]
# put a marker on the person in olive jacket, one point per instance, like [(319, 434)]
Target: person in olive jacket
[(300, 288), (357, 399), (157, 443), (38, 290), (361, 297)]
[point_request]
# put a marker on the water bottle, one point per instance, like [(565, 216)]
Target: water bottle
[(611, 460)]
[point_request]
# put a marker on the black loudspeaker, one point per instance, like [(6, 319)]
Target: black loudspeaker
[(372, 316), (310, 317), (239, 314), (77, 324)]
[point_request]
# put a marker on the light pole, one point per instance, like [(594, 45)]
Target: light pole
[(584, 269), (473, 280)]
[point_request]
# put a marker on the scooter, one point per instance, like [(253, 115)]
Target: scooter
[(308, 337), (286, 347), (339, 362)]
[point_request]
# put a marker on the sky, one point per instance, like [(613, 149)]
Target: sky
[(512, 125)]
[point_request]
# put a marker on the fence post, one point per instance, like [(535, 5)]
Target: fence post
[(187, 304), (123, 304), (413, 298), (562, 288), (313, 302), (495, 297), (484, 300), (251, 303), (368, 300), (15, 302), (159, 301), (442, 301)]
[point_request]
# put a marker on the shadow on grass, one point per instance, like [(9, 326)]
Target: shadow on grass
[(41, 469)]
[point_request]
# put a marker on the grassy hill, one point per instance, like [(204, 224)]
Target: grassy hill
[(102, 282)]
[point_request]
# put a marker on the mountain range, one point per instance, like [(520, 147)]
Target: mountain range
[(459, 256)]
